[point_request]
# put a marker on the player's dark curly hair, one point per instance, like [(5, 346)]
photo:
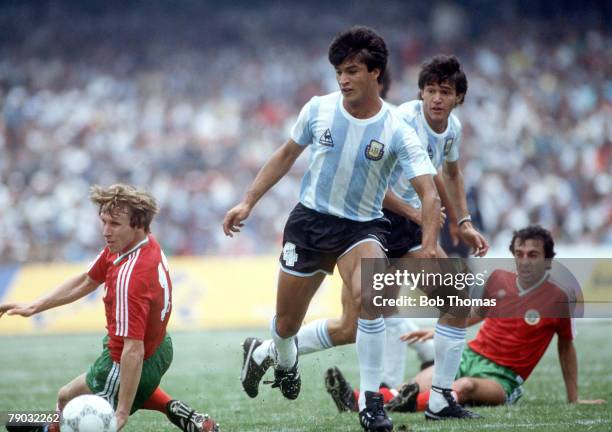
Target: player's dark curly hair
[(535, 232), (364, 44), (442, 68)]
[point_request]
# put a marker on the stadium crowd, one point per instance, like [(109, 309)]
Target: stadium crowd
[(189, 101)]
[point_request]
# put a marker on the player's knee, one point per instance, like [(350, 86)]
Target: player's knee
[(368, 304), (63, 396), (286, 327), (347, 333), (464, 387)]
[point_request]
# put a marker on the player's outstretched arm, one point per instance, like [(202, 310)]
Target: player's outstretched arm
[(132, 358), (68, 292), (569, 367), (275, 169), (430, 212), (453, 181)]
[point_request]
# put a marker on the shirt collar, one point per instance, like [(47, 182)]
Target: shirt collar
[(523, 291), (135, 248)]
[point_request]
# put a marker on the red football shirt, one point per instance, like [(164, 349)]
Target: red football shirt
[(138, 295), (532, 317)]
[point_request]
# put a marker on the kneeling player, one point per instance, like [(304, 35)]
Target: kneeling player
[(137, 351)]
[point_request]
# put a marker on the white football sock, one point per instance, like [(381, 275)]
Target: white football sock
[(448, 342), (394, 362), (314, 337), (370, 352), (266, 349), (286, 351)]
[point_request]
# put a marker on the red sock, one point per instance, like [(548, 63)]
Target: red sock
[(356, 393), (422, 400), (386, 393), (157, 401)]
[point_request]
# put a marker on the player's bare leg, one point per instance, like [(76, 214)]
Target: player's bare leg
[(469, 389), (343, 330), (423, 378), (370, 339), (74, 388), (479, 391), (475, 391), (293, 297)]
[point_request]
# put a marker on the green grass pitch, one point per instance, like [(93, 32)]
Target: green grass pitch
[(207, 366)]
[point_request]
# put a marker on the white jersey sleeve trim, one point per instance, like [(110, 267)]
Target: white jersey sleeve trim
[(122, 313)]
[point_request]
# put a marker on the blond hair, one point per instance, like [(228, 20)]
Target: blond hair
[(140, 204)]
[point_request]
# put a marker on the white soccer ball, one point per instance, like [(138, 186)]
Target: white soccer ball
[(88, 413)]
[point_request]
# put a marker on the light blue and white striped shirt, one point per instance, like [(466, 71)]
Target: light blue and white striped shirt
[(439, 147), (352, 159)]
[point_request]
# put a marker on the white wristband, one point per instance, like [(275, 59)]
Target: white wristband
[(468, 218)]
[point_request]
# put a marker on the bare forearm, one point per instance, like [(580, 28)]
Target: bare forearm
[(266, 178), (430, 216), (68, 292), (275, 169), (569, 369), (131, 370), (397, 205), (445, 199), (455, 189)]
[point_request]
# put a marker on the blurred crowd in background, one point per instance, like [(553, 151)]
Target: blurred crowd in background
[(188, 99)]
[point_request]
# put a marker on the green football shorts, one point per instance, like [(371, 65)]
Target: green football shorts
[(103, 375), (476, 366)]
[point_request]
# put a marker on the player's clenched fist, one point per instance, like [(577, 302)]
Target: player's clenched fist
[(233, 219)]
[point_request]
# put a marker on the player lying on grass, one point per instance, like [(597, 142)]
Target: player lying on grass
[(508, 346), (137, 351)]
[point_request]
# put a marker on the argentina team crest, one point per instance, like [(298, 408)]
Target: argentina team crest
[(447, 145), (375, 150)]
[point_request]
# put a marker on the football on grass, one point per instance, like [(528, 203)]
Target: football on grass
[(88, 413)]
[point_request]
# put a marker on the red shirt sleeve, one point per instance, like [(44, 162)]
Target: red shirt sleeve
[(565, 330), (97, 269)]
